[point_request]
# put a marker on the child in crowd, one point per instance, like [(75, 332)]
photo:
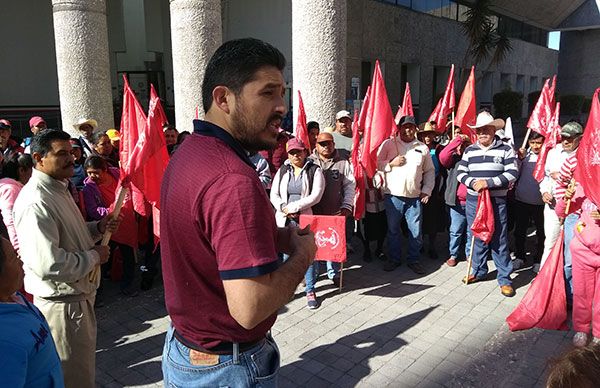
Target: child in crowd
[(585, 252), (28, 357)]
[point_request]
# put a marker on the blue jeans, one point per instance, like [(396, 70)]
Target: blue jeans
[(310, 278), (256, 367), (498, 245), (458, 227), (397, 208), (570, 222)]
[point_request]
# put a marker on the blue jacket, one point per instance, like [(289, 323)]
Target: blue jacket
[(28, 357)]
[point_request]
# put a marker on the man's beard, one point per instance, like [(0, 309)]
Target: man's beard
[(246, 131)]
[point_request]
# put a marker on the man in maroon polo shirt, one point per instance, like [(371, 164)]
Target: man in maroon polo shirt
[(219, 242)]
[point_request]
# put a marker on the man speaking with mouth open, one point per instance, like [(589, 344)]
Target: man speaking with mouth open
[(219, 241)]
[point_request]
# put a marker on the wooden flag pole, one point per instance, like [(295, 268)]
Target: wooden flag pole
[(470, 260), (95, 274), (526, 137)]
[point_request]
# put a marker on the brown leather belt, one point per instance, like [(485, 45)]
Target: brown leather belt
[(222, 348)]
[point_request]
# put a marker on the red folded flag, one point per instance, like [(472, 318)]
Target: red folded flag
[(545, 303), (588, 154), (160, 111), (301, 128), (483, 223), (466, 113), (445, 105), (363, 110), (330, 236), (552, 138), (406, 109), (359, 191), (542, 112), (379, 122)]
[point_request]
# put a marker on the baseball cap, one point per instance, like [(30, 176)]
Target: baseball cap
[(295, 144), (571, 129), (5, 122), (35, 121), (341, 114), (113, 134), (407, 120)]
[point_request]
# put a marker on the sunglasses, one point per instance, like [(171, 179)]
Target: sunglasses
[(325, 143)]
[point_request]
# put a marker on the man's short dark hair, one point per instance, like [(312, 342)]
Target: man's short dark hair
[(235, 63), (96, 162), (42, 141), (312, 124), (535, 135)]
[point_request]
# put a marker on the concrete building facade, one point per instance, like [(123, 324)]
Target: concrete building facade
[(415, 41)]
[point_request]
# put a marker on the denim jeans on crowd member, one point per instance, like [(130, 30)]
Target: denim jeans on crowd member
[(256, 367), (459, 233), (397, 208), (498, 245), (310, 278), (570, 223)]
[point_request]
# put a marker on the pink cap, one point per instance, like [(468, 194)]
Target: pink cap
[(295, 144), (35, 121), (5, 122)]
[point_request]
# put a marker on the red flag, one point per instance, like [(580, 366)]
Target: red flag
[(445, 105), (379, 122), (359, 191), (330, 236), (301, 128), (588, 154), (466, 113), (483, 223), (552, 138), (406, 109), (545, 303), (363, 110), (160, 111), (542, 112)]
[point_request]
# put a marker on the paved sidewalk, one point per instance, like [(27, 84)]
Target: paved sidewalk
[(384, 329)]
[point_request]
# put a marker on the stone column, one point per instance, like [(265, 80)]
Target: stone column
[(195, 35), (319, 58), (82, 63)]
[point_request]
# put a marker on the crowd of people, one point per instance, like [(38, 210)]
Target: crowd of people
[(245, 253)]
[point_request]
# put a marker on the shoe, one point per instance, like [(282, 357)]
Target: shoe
[(517, 264), (390, 265), (417, 268), (336, 281), (580, 339), (536, 268), (451, 262), (433, 254), (311, 300), (472, 279), (507, 290)]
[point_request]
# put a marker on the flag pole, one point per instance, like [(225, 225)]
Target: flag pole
[(526, 137), (95, 274), (341, 277), (452, 126), (469, 260)]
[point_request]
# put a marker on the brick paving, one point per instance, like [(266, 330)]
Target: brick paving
[(393, 329)]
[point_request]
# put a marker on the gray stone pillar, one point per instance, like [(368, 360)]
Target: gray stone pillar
[(82, 63), (319, 58), (195, 35)]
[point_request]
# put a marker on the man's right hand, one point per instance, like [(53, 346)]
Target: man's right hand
[(398, 161), (302, 241), (103, 251), (547, 198)]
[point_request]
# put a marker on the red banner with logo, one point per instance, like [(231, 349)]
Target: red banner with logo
[(330, 236)]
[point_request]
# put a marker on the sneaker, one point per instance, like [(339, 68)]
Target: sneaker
[(580, 339), (311, 300), (536, 268), (517, 264), (451, 262), (390, 265)]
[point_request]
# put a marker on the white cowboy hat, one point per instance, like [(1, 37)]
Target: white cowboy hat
[(91, 122), (485, 119)]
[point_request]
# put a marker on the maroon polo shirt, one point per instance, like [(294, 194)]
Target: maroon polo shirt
[(216, 224)]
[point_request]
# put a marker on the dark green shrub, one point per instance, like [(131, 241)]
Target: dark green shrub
[(508, 103), (571, 105)]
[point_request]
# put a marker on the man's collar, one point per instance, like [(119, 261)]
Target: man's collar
[(45, 178), (206, 128)]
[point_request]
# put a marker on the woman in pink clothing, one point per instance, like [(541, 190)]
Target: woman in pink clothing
[(16, 171), (585, 251)]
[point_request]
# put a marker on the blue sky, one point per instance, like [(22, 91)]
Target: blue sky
[(554, 40)]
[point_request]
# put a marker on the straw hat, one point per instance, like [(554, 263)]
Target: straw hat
[(81, 122), (485, 119)]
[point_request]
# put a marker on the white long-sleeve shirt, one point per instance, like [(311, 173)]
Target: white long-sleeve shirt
[(556, 157), (411, 179), (55, 242)]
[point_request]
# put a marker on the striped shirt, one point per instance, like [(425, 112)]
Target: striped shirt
[(567, 170), (496, 164)]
